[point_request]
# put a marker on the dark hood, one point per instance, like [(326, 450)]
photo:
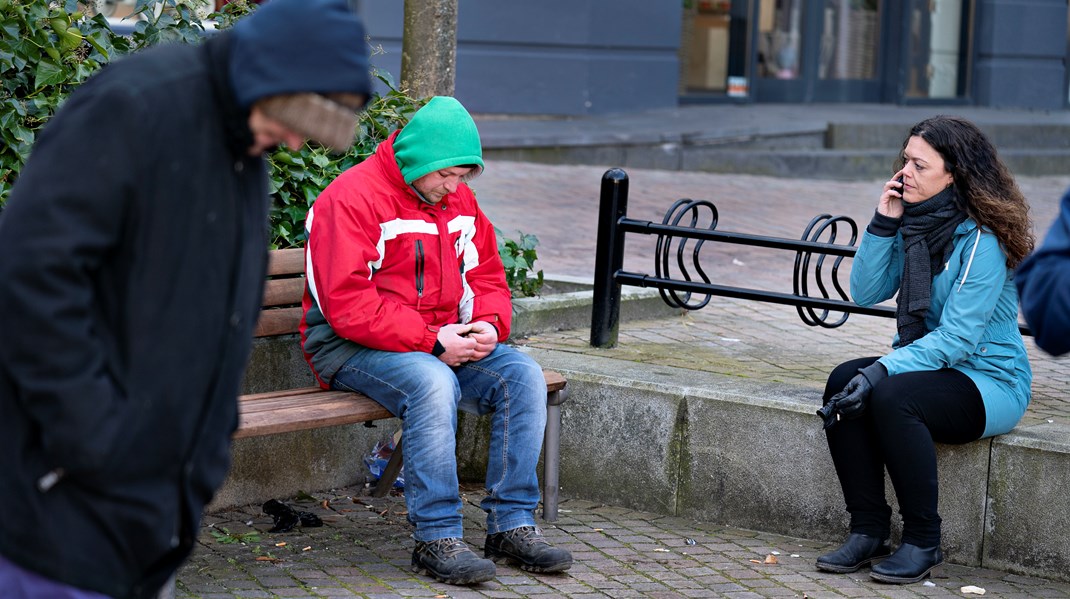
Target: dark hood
[(297, 46)]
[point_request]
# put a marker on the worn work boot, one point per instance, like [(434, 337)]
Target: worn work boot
[(857, 551), (527, 546), (451, 561)]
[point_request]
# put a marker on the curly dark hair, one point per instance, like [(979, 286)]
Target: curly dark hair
[(984, 185)]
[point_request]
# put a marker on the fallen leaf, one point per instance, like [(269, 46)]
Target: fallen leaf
[(770, 559), (972, 590)]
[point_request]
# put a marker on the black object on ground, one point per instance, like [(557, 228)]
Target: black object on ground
[(286, 518)]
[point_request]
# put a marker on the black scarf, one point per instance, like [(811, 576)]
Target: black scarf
[(927, 230)]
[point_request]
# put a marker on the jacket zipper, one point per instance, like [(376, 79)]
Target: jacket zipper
[(419, 272)]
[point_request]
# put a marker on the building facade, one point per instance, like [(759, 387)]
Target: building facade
[(572, 57)]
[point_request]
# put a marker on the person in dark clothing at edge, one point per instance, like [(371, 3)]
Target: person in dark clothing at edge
[(949, 228), (132, 254), (1043, 281)]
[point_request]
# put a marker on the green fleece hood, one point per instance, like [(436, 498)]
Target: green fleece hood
[(440, 135)]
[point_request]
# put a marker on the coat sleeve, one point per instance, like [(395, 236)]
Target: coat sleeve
[(965, 315), (492, 301), (64, 220), (1043, 282), (342, 246), (876, 269)]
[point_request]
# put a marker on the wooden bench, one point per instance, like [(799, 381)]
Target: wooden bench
[(312, 407)]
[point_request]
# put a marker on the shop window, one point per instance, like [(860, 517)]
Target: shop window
[(850, 39), (935, 56), (705, 46)]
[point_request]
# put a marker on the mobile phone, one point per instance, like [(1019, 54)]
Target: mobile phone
[(902, 186)]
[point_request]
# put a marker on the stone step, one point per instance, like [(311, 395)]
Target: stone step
[(851, 164), (793, 163), (1006, 136)]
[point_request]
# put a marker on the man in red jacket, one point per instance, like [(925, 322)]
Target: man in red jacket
[(407, 303)]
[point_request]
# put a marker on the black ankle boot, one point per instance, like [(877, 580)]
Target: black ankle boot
[(909, 563), (857, 551)]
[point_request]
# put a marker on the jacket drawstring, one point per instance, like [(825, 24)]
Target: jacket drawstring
[(969, 263)]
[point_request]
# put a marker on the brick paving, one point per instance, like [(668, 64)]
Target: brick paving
[(364, 547), (363, 550)]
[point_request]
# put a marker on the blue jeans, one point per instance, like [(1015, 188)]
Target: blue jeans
[(426, 394)]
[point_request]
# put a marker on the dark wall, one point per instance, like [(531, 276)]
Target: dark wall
[(562, 57), (1021, 48)]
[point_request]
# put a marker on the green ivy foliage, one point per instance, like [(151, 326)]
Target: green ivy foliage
[(518, 258), (46, 50), (49, 48)]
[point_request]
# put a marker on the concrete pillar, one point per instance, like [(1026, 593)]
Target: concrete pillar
[(1020, 51)]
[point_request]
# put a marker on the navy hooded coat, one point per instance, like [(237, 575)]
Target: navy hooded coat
[(132, 256), (1043, 281)]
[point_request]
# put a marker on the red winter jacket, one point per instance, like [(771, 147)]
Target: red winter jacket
[(385, 269)]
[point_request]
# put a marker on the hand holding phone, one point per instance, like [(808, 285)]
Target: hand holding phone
[(891, 201)]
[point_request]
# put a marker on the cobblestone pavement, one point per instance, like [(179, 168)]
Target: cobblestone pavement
[(364, 548)]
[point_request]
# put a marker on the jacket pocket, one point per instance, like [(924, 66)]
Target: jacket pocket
[(996, 360)]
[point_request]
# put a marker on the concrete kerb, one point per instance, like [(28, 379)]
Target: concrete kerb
[(1028, 512), (572, 309), (744, 453)]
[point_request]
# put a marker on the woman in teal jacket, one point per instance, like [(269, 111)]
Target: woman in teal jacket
[(948, 231)]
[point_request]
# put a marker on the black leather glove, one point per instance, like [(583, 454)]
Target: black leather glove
[(851, 402)]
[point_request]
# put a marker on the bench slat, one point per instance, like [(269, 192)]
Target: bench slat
[(279, 321), (310, 411), (286, 262), (312, 407), (284, 292)]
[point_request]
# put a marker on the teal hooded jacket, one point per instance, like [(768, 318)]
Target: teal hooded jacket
[(972, 321)]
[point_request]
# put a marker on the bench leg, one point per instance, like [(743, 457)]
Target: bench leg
[(390, 473), (551, 457)]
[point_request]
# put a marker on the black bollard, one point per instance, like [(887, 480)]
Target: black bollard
[(609, 258)]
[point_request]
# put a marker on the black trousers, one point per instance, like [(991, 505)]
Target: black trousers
[(905, 415)]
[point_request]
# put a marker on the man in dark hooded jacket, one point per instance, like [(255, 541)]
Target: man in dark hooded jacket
[(132, 255)]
